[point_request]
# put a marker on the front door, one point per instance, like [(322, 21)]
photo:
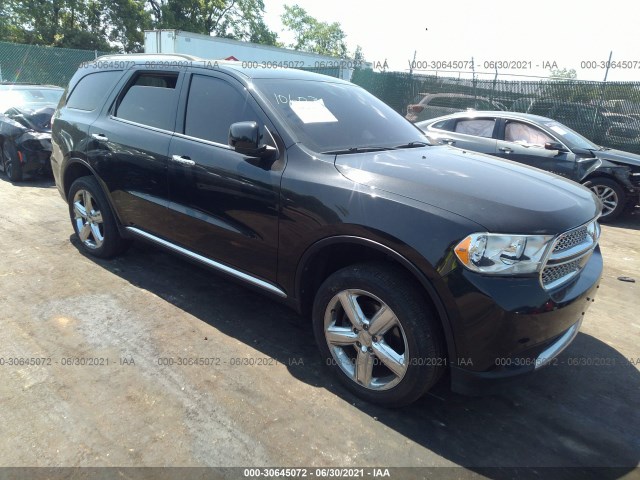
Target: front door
[(524, 143), (224, 205)]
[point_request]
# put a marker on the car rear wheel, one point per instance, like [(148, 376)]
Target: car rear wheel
[(612, 196), (12, 166), (93, 220), (379, 335)]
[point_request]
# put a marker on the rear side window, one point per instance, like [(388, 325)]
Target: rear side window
[(90, 91), (150, 100), (478, 127), (213, 106), (442, 125)]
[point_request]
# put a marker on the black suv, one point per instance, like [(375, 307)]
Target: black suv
[(412, 260)]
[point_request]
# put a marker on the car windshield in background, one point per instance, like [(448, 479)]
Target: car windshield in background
[(571, 138), (334, 117), (29, 98)]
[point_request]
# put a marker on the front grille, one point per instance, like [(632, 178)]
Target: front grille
[(570, 239), (555, 273), (570, 252)]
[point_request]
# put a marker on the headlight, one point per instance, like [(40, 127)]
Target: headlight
[(503, 254)]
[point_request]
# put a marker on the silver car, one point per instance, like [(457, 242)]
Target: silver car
[(430, 105)]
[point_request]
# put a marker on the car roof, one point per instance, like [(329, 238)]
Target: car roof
[(490, 113), (230, 66)]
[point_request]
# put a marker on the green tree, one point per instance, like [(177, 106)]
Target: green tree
[(312, 35), (60, 23), (563, 74), (237, 19), (119, 24), (358, 55)]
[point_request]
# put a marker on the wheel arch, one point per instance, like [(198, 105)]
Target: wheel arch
[(76, 168), (330, 254)]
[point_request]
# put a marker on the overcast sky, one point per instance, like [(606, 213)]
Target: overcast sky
[(564, 31)]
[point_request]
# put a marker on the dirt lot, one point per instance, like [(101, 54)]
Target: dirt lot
[(148, 308)]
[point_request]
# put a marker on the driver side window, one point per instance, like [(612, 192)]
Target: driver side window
[(526, 134), (212, 107)]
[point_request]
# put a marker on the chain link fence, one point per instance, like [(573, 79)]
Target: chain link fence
[(606, 112), (45, 65), (56, 66)]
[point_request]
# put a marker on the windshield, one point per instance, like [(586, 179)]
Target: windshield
[(329, 117), (29, 98), (571, 138)]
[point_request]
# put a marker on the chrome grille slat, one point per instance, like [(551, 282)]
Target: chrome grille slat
[(570, 239), (570, 252)]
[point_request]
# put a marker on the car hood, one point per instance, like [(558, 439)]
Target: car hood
[(618, 156), (502, 196)]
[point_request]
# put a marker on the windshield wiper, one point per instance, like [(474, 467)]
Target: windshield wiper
[(357, 150), (413, 145)]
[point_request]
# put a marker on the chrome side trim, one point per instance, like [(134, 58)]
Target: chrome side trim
[(202, 140), (210, 263), (554, 350)]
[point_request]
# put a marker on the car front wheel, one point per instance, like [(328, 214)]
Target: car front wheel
[(612, 196), (92, 219), (379, 335), (12, 166)]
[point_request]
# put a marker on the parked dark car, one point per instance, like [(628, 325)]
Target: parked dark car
[(25, 128), (410, 259), (595, 122), (613, 175)]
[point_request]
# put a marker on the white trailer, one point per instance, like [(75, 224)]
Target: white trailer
[(205, 46)]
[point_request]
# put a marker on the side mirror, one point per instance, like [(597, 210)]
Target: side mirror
[(555, 146), (244, 137)]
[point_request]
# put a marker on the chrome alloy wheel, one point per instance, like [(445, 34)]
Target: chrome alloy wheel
[(607, 196), (366, 339), (88, 220)]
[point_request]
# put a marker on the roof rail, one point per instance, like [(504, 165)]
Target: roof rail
[(141, 56)]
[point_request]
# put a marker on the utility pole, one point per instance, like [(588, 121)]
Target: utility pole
[(599, 106)]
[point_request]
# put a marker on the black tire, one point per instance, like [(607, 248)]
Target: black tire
[(415, 335), (12, 166), (612, 195), (97, 230)]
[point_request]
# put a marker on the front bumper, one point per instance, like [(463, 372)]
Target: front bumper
[(34, 151), (511, 326), (35, 161)]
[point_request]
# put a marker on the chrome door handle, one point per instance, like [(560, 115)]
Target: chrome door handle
[(101, 137), (448, 141), (505, 149), (182, 160)]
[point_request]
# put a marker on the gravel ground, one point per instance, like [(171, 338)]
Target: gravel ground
[(265, 398)]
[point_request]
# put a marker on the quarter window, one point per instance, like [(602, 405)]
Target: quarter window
[(150, 100), (212, 107), (90, 91)]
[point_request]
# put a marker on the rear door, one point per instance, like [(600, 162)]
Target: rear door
[(224, 205), (129, 144), (472, 133)]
